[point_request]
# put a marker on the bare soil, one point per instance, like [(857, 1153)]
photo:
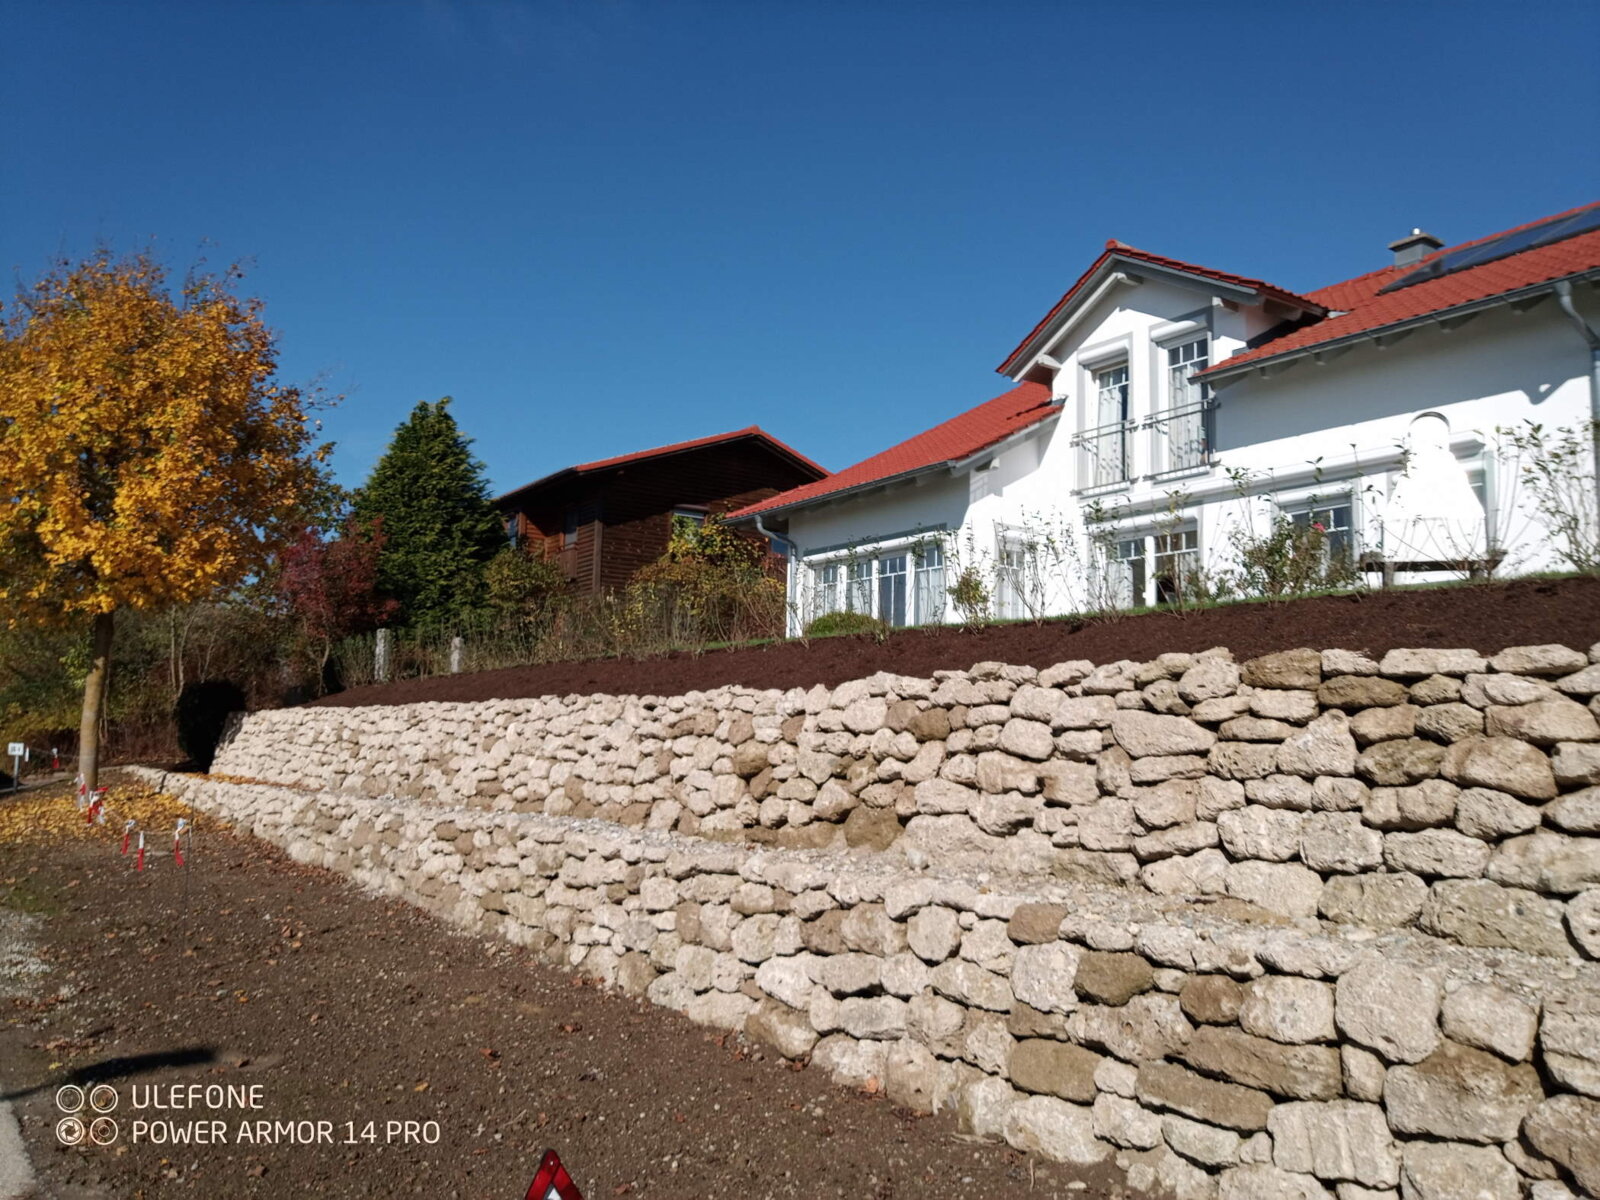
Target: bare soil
[(1483, 617), (246, 968)]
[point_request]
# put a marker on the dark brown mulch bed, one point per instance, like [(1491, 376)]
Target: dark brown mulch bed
[(245, 968), (1485, 617)]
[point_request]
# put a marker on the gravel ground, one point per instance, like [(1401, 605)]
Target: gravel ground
[(244, 968)]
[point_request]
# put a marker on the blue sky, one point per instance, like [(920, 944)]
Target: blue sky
[(605, 226)]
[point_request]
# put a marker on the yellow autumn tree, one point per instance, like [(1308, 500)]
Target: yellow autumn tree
[(148, 457)]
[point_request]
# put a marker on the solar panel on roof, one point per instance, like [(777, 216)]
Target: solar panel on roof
[(1543, 234)]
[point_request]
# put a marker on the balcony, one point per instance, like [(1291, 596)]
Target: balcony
[(1106, 449), (1183, 437)]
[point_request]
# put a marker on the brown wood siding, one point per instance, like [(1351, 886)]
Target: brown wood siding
[(635, 503)]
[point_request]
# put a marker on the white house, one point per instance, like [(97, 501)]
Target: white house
[(1168, 418)]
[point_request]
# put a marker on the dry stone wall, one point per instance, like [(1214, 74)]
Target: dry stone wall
[(1311, 925)]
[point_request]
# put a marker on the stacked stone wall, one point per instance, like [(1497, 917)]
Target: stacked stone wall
[(1310, 925)]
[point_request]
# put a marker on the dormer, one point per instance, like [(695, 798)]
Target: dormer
[(1121, 268)]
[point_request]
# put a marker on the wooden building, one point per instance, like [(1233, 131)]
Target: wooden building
[(604, 520)]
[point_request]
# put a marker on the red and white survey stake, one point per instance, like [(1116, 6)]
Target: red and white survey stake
[(139, 862), (127, 832), (177, 840)]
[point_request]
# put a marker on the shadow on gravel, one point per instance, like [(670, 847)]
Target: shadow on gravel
[(121, 1067)]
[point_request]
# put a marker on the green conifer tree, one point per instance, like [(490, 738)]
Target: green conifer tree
[(440, 526)]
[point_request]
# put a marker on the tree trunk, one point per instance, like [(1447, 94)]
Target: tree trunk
[(94, 700)]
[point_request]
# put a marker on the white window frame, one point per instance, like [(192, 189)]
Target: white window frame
[(1018, 582), (930, 597), (1133, 561), (827, 590), (1185, 414), (1108, 445)]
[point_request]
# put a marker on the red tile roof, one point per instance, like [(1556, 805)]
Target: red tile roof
[(1362, 311), (1116, 249), (959, 437), (606, 464)]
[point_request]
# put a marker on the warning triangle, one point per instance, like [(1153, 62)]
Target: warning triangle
[(552, 1181)]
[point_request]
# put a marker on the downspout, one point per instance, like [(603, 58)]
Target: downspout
[(1587, 332), (791, 580)]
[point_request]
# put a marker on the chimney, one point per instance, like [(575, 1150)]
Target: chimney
[(1413, 248)]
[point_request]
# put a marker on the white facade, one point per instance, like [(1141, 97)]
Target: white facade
[(1149, 482)]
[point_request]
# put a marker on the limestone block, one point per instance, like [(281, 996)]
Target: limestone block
[(1437, 853), (1501, 763), (1288, 1009), (1205, 1144), (1451, 1171), (1363, 1073), (1490, 815), (1566, 1130), (1325, 747), (848, 974), (1480, 913), (881, 1018), (1027, 739), (1400, 762), (1286, 669), (1211, 999), (1391, 1008), (1547, 862), (937, 1023), (1370, 725), (1376, 901), (1042, 976), (1544, 722), (1208, 679), (1173, 1088), (1112, 978), (1255, 729), (1576, 812), (1288, 889), (1035, 923), (1126, 1123), (1244, 760), (1352, 692), (1338, 842), (1347, 662), (1583, 921), (1569, 1037), (1548, 659), (851, 1062), (1257, 832), (1148, 1026), (1436, 689), (786, 1030), (984, 1105), (1417, 662), (1297, 707), (1264, 1181), (1143, 734), (1491, 1018), (1054, 1068), (969, 984), (1056, 1129), (1481, 691), (1338, 1139), (1297, 1072), (1450, 722), (1200, 874), (1462, 1094)]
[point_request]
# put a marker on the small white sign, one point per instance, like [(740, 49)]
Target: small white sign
[(16, 749)]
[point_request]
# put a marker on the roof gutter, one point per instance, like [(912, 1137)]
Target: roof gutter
[(1587, 332), (828, 497), (1223, 373)]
